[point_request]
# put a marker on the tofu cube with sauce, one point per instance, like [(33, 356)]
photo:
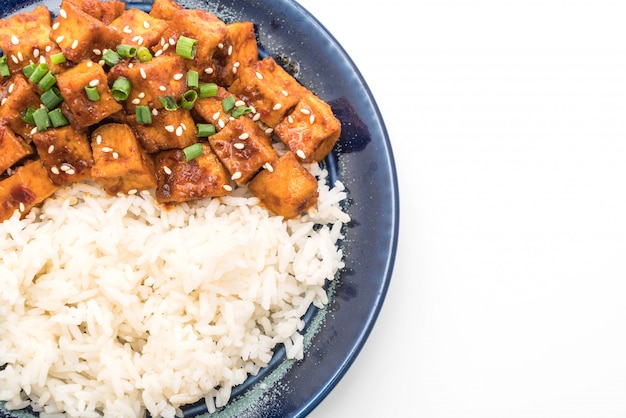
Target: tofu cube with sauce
[(168, 130), (12, 148), (104, 11), (210, 110), (121, 165), (165, 9), (286, 189), (179, 180), (311, 130), (25, 36), (239, 50), (269, 89), (65, 153), (138, 28), (79, 34), (81, 110), (16, 95), (25, 189), (244, 148)]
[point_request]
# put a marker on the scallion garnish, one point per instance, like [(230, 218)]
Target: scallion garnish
[(29, 70), (192, 79), (126, 51), (27, 116), (38, 73), (143, 115), (186, 47), (121, 88), (193, 151), (4, 67), (92, 93), (57, 118), (57, 59), (207, 90), (110, 57), (204, 130), (51, 98), (144, 54), (48, 81), (41, 118), (189, 99), (168, 103), (240, 111), (228, 104)]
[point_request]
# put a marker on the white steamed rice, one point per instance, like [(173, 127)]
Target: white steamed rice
[(111, 306)]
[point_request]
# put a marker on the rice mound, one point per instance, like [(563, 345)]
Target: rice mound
[(114, 306)]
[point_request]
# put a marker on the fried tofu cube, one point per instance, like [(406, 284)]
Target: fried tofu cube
[(311, 130), (104, 11), (121, 165), (243, 147), (168, 130), (25, 189), (12, 148), (16, 95), (210, 110), (65, 153), (240, 50), (24, 36), (78, 34), (138, 28), (287, 189), (179, 180), (83, 111), (160, 77), (165, 9), (269, 89)]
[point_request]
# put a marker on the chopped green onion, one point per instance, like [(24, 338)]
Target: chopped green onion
[(189, 99), (168, 103), (126, 51), (92, 93), (4, 67), (193, 151), (228, 104), (240, 111), (29, 70), (192, 79), (28, 116), (121, 88), (51, 98), (40, 71), (41, 118), (205, 129), (208, 90), (57, 118), (143, 115), (110, 57), (186, 47), (144, 54), (47, 81), (57, 59)]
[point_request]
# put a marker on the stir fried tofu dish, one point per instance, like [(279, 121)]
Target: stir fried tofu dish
[(167, 217), (174, 100)]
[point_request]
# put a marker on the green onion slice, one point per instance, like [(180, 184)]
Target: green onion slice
[(57, 118), (92, 93), (207, 90), (168, 103), (240, 111), (29, 70), (38, 73), (121, 88), (126, 51), (205, 130), (41, 118), (58, 58), (228, 104), (192, 79), (189, 99), (52, 98), (48, 81), (186, 47), (143, 115), (110, 57), (4, 67), (27, 116), (144, 54), (193, 151)]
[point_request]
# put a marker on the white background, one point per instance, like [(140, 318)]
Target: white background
[(508, 124)]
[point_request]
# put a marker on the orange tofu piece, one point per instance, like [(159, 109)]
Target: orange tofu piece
[(269, 89), (24, 36), (288, 189), (82, 111), (138, 28), (243, 147), (78, 34), (168, 130), (12, 148), (311, 130), (160, 77), (210, 110), (165, 9), (121, 165), (104, 11), (239, 50), (65, 153), (16, 95), (179, 180), (25, 189)]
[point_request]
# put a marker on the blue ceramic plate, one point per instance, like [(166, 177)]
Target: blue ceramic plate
[(363, 161)]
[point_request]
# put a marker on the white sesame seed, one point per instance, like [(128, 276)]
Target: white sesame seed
[(167, 170), (209, 70), (127, 29), (136, 38), (221, 124), (50, 149), (42, 59), (70, 172), (146, 24), (259, 75), (234, 70), (289, 119), (143, 73), (277, 106), (216, 115), (301, 154), (170, 128), (65, 167), (89, 64), (163, 41), (36, 53), (162, 88), (14, 59), (107, 149), (60, 39), (239, 145), (33, 131), (268, 167), (305, 111), (230, 50), (56, 25), (172, 41), (220, 45), (312, 119), (239, 103), (179, 131), (97, 52), (178, 76), (99, 139), (20, 56), (115, 155), (15, 40), (155, 112), (244, 136), (131, 65), (182, 125), (165, 47), (11, 87), (55, 170), (236, 175), (132, 191), (3, 102), (141, 95), (236, 64), (158, 53), (285, 93), (227, 187), (256, 117), (94, 82), (75, 44), (136, 101), (101, 63), (269, 131), (48, 48), (22, 207), (63, 14)]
